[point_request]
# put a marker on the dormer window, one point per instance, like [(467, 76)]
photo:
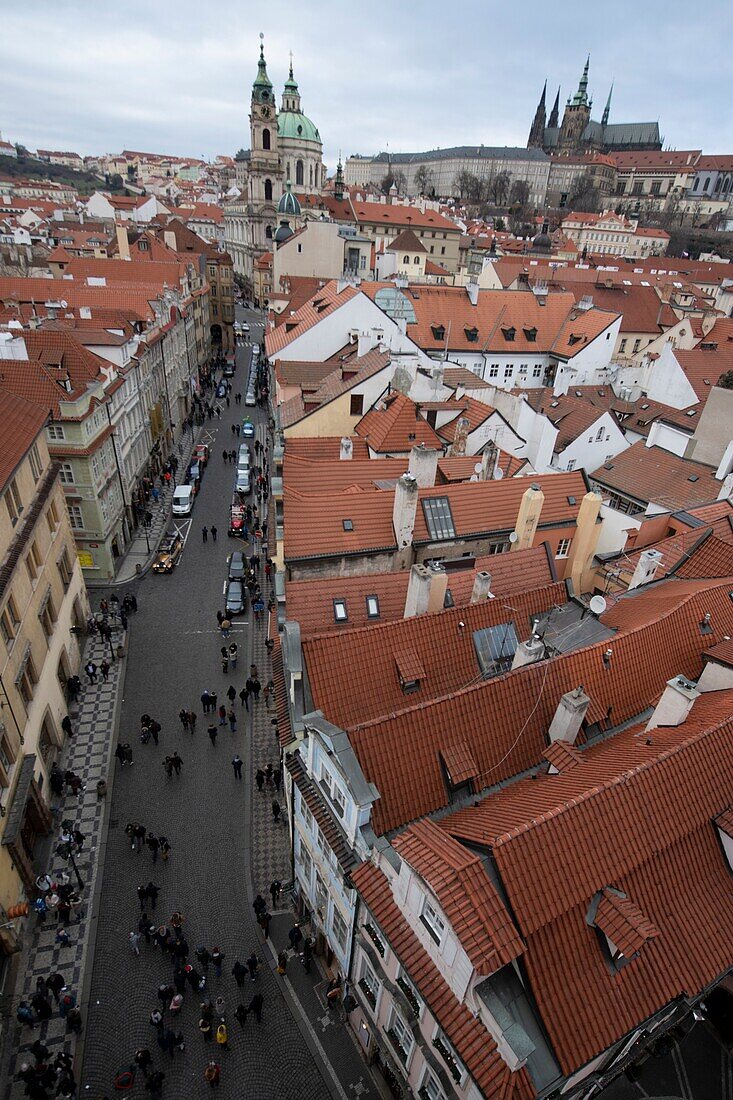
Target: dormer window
[(530, 334), (621, 927), (438, 332), (574, 339), (432, 920), (340, 613), (509, 334), (471, 335), (409, 671)]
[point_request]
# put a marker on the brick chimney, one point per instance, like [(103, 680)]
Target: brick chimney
[(481, 586), (528, 517), (424, 465), (489, 462), (123, 244), (425, 590), (571, 711), (404, 510), (675, 704), (458, 446), (646, 568)]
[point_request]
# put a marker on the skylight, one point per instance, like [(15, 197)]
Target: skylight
[(348, 524), (438, 518), (495, 647), (340, 613), (372, 607)]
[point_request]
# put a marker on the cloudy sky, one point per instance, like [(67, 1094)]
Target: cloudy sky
[(97, 76)]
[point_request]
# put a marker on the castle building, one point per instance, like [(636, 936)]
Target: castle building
[(284, 145), (579, 133)]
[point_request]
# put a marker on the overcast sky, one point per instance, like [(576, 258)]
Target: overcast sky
[(97, 76)]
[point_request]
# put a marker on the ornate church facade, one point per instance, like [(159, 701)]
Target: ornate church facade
[(579, 133), (285, 147)]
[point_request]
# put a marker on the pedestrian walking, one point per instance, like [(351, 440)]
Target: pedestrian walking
[(134, 941), (168, 765), (177, 763), (154, 1083), (205, 533), (212, 1073), (120, 754), (220, 1007), (295, 936), (268, 774), (231, 694), (282, 962), (205, 701), (153, 843), (104, 669), (275, 811), (277, 778), (203, 957), (213, 730), (152, 892), (144, 927), (217, 959), (253, 964), (263, 919), (213, 532), (260, 779), (232, 720), (143, 1060), (192, 721), (91, 670), (275, 888), (56, 984), (244, 696), (237, 765), (226, 626), (74, 1021), (66, 726), (140, 832), (239, 970), (183, 716), (222, 715), (222, 1036), (233, 654)]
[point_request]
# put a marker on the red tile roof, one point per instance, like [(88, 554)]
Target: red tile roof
[(637, 816), (703, 366), (468, 1036), (402, 217), (466, 408), (465, 893), (505, 720), (712, 558), (22, 421), (406, 241), (310, 602), (623, 923), (563, 756), (395, 426), (459, 763), (462, 467), (571, 415), (324, 302), (653, 475)]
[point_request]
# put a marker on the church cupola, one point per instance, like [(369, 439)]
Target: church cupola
[(338, 183), (262, 87), (291, 92)]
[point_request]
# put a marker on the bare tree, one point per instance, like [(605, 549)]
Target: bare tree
[(584, 194), (500, 185), (468, 185), (423, 180), (519, 193)]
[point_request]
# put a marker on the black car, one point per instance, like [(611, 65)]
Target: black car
[(237, 568), (235, 598)]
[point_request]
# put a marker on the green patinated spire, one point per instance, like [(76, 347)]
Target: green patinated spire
[(262, 87), (291, 84), (580, 98)]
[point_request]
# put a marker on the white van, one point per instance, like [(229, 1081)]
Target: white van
[(183, 500)]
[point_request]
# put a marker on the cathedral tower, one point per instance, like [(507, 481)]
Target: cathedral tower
[(577, 116), (536, 137)]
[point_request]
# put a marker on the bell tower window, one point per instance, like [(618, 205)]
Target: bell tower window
[(268, 190), (265, 139)]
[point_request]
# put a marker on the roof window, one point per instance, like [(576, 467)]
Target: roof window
[(438, 518), (471, 335), (530, 334), (621, 927), (348, 524), (509, 334), (372, 607), (409, 670), (340, 613), (693, 477), (448, 600), (571, 500), (438, 331), (573, 339), (495, 647)]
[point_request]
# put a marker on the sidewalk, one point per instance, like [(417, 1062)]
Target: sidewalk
[(89, 753)]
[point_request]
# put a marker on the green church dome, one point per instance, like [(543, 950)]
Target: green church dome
[(289, 203), (292, 124)]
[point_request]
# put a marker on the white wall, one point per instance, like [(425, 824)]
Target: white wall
[(587, 452), (669, 437), (614, 532)]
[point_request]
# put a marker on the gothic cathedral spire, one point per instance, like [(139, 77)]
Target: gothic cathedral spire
[(537, 132), (607, 108), (555, 112)]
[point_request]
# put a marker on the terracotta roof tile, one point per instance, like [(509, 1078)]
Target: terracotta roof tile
[(722, 652), (624, 924), (466, 895), (324, 302), (713, 558), (21, 421), (459, 763), (651, 474), (396, 425), (563, 756)]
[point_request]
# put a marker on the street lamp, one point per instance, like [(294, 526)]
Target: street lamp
[(146, 524)]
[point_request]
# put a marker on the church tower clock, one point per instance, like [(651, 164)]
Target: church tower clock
[(265, 173)]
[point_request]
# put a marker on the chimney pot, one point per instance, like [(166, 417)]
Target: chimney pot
[(481, 586)]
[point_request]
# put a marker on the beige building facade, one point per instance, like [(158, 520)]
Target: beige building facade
[(42, 597)]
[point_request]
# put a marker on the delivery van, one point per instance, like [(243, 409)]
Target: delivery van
[(183, 500)]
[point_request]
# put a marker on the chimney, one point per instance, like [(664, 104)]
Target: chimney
[(584, 541), (646, 568), (529, 652), (425, 590), (367, 341), (424, 465), (405, 507), (717, 671), (675, 704), (123, 244), (458, 446), (489, 462), (481, 587), (472, 292), (528, 517), (346, 449), (568, 718)]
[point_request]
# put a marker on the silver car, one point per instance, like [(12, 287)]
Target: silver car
[(243, 483)]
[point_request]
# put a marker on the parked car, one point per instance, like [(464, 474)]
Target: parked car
[(250, 399), (195, 471), (255, 350), (169, 553), (183, 500), (237, 567), (243, 483), (221, 390), (201, 454), (235, 598), (244, 457), (229, 368), (243, 326), (237, 517), (248, 429)]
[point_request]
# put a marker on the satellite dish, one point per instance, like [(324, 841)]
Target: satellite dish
[(514, 537), (598, 605), (478, 468), (63, 304), (498, 473)]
